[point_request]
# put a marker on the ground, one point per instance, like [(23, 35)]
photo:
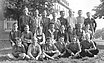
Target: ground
[(5, 49)]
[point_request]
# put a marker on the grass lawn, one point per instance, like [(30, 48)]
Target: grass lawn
[(5, 49)]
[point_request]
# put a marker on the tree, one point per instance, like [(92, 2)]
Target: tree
[(99, 10), (14, 8)]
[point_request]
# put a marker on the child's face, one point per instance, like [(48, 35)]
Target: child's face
[(62, 27), (73, 39), (61, 39), (48, 41), (18, 42), (15, 26), (87, 26), (52, 26), (26, 28)]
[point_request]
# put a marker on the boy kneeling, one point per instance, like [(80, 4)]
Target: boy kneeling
[(19, 52), (49, 50), (74, 47)]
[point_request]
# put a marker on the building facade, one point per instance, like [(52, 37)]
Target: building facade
[(61, 5)]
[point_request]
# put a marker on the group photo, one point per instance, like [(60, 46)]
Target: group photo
[(44, 31)]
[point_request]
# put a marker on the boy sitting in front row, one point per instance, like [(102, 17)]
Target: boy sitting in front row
[(88, 47), (74, 47), (49, 50), (34, 50), (18, 51)]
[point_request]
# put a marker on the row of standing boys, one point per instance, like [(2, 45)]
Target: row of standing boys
[(40, 37)]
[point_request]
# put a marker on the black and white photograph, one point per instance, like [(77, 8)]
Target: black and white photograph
[(51, 31)]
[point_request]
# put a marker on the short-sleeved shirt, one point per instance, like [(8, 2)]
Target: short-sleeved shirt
[(14, 34), (34, 49), (27, 35)]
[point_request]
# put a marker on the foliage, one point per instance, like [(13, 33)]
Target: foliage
[(99, 10), (14, 8)]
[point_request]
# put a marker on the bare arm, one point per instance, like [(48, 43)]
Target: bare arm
[(29, 52), (40, 52)]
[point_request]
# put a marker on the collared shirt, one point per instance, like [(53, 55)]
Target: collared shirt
[(52, 34), (72, 21)]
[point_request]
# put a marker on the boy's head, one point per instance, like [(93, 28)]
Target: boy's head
[(36, 12), (15, 26), (48, 40), (62, 13), (26, 28), (69, 29), (51, 25), (18, 41), (79, 12), (62, 27), (54, 14), (39, 29), (74, 38), (44, 13), (61, 39), (88, 14)]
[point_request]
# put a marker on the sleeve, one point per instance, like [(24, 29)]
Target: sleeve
[(31, 34), (43, 38), (24, 50)]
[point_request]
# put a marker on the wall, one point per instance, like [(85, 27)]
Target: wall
[(3, 35)]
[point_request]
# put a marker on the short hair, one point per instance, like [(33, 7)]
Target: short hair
[(79, 10), (14, 23), (87, 12), (48, 38), (61, 11), (51, 23), (26, 26)]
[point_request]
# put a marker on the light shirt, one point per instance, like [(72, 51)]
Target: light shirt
[(80, 20), (71, 21)]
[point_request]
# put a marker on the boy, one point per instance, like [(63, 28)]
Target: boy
[(51, 32), (14, 34), (34, 50), (88, 47), (27, 37), (74, 47), (60, 44), (79, 32), (18, 51), (50, 50)]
